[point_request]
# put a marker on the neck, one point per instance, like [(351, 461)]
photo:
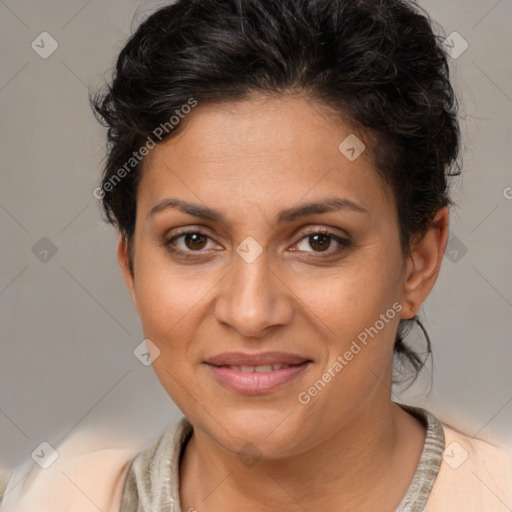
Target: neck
[(367, 464)]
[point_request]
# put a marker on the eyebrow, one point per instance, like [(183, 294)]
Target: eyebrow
[(288, 215)]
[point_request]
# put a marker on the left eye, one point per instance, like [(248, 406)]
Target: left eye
[(321, 241)]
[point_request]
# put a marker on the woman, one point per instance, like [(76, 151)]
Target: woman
[(278, 173)]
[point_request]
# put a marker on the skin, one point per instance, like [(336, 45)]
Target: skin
[(350, 447)]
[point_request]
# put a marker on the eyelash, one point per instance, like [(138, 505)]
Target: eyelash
[(343, 243)]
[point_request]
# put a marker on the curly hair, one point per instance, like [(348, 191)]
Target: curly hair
[(377, 63)]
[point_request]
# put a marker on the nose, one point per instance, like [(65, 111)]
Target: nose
[(253, 298)]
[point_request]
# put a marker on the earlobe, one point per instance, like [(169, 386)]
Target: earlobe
[(124, 265), (424, 263)]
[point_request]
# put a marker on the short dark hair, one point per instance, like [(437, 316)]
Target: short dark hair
[(377, 63)]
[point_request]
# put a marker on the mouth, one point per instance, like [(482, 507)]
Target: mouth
[(263, 368), (256, 373)]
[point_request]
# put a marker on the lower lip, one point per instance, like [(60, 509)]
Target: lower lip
[(256, 382)]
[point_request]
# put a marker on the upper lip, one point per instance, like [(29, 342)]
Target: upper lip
[(262, 358)]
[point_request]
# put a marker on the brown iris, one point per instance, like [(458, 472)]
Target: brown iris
[(195, 241), (323, 246)]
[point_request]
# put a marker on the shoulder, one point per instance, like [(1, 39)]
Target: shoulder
[(85, 476), (153, 478), (474, 475)]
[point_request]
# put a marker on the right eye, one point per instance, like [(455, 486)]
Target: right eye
[(191, 241)]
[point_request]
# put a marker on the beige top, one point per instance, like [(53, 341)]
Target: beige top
[(469, 475)]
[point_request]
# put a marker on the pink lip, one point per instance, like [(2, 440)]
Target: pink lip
[(253, 383)]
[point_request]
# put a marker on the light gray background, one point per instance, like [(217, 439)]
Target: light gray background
[(68, 328)]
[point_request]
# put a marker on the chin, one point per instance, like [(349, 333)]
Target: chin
[(271, 432)]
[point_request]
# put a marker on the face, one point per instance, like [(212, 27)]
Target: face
[(246, 271)]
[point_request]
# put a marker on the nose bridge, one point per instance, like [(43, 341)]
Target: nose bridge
[(252, 297)]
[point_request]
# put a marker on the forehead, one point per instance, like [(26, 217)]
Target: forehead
[(262, 126), (265, 149)]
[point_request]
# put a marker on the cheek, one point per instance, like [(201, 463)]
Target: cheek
[(172, 304), (169, 307), (362, 316), (165, 294), (357, 295)]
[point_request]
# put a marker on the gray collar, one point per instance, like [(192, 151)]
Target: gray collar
[(428, 466)]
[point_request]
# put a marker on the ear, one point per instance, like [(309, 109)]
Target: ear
[(424, 264), (124, 264)]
